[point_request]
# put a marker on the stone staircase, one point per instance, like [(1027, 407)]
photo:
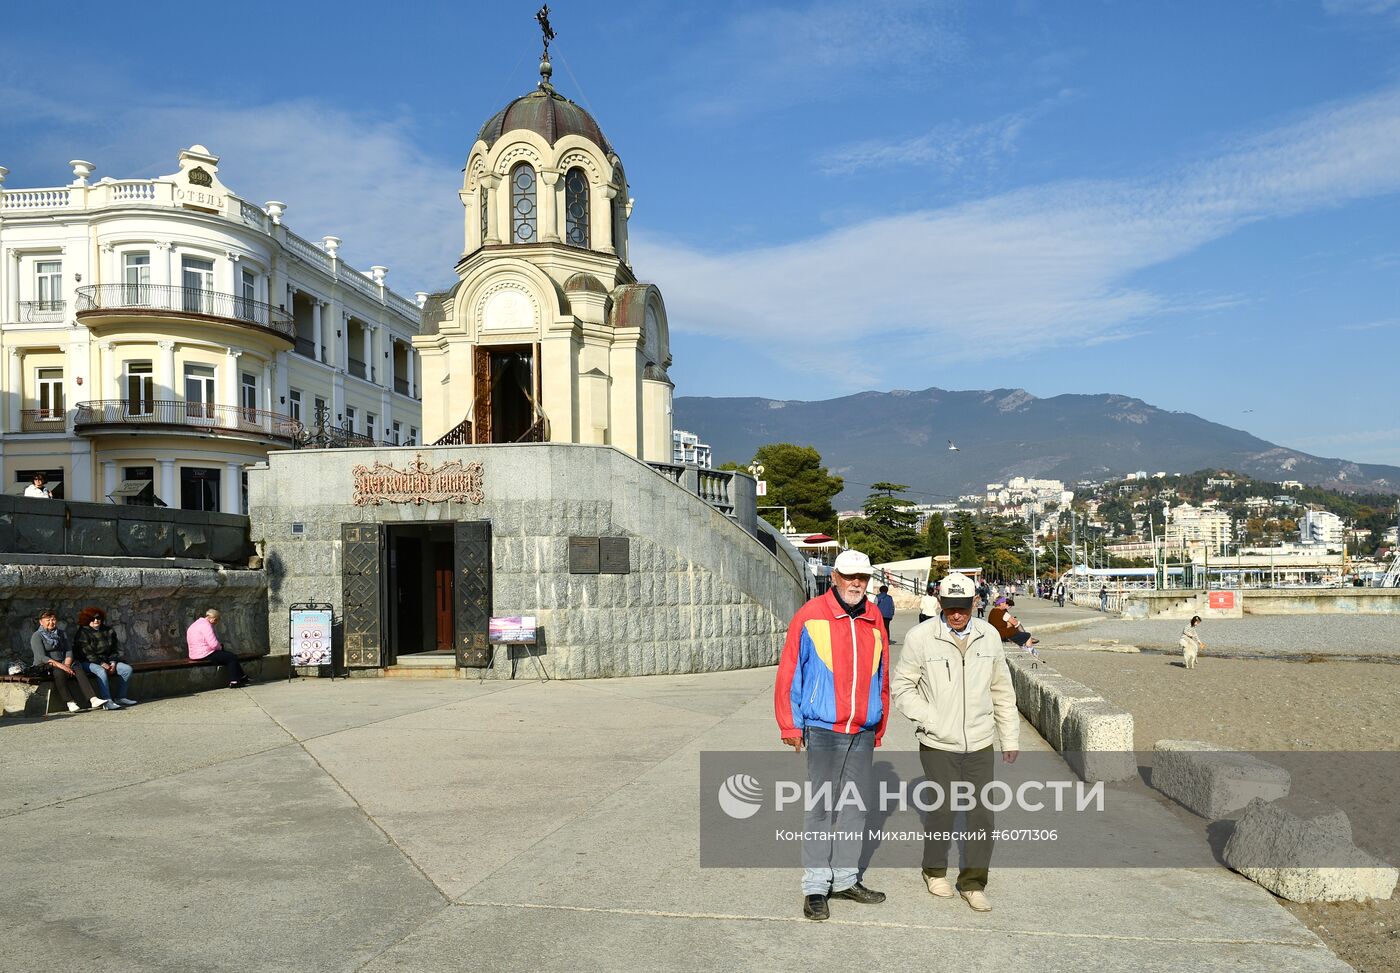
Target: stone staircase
[(442, 666)]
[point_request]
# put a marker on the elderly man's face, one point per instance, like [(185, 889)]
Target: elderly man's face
[(851, 587), (957, 617)]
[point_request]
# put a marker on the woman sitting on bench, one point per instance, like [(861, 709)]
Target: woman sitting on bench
[(50, 647), (204, 644), (97, 643)]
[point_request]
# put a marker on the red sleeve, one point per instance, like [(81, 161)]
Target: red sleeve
[(884, 693), (787, 672)]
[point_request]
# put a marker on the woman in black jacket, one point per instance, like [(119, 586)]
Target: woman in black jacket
[(97, 643), (51, 649)]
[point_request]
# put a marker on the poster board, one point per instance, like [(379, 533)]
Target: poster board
[(511, 630), (311, 637)]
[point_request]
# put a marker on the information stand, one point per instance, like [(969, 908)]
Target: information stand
[(511, 630), (311, 632)]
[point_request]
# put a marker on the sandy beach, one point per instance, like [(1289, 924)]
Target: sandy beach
[(1301, 700)]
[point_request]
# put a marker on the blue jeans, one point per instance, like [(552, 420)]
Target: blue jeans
[(832, 864), (122, 674)]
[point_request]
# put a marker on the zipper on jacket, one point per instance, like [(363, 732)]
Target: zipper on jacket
[(851, 716)]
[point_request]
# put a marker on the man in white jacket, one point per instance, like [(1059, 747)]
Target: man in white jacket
[(953, 682)]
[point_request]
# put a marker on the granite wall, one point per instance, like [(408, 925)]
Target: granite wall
[(702, 595), (47, 527), (149, 608)]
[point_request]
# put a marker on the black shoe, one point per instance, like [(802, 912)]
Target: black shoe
[(859, 893), (814, 907)]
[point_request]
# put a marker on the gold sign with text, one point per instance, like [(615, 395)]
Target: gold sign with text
[(420, 483)]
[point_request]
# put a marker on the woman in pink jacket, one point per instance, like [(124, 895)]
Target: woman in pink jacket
[(204, 644)]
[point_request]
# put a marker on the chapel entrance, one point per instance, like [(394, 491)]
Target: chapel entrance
[(506, 407), (416, 590)]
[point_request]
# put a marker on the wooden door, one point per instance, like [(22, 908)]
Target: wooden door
[(442, 604), (481, 405)]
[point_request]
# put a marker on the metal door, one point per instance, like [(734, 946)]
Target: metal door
[(361, 554), (472, 592)]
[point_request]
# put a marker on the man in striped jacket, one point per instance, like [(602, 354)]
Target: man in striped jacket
[(833, 697)]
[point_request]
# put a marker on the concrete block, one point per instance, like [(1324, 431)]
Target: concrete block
[(1098, 741), (1058, 696), (1212, 781), (1301, 850), (19, 699)]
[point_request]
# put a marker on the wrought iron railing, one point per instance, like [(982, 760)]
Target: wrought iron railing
[(39, 312), (193, 415), (184, 300), (42, 420), (321, 434), (458, 435)]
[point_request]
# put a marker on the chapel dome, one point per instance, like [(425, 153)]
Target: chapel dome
[(546, 113)]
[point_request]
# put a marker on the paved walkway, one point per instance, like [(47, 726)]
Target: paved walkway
[(419, 825)]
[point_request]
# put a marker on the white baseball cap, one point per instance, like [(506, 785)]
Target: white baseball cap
[(851, 563), (956, 591)]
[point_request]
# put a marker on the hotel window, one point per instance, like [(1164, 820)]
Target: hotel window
[(522, 204), (140, 388), (248, 394), (294, 404), (576, 208), (349, 418), (322, 414), (199, 391), (136, 279), (398, 431), (48, 276), (197, 278), (49, 386), (370, 422), (247, 305), (199, 488), (413, 435)]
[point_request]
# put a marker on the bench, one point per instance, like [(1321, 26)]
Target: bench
[(24, 695)]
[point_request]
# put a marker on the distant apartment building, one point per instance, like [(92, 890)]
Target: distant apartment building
[(1133, 549), (1191, 527), (688, 450), (161, 335), (1028, 494), (1320, 527)]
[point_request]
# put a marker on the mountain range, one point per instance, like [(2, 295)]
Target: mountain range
[(903, 436)]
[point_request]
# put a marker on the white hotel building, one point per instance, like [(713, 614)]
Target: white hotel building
[(158, 336)]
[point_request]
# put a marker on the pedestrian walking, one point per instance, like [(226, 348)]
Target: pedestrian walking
[(928, 604), (953, 682), (832, 698), (1103, 598), (885, 603)]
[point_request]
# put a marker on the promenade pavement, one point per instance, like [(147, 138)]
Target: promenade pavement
[(382, 825)]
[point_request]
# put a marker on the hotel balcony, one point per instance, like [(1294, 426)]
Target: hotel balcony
[(129, 303), (122, 416), (43, 420), (41, 312)]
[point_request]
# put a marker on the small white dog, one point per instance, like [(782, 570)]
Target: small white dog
[(1191, 643)]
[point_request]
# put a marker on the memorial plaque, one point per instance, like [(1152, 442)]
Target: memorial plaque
[(583, 555), (614, 555)]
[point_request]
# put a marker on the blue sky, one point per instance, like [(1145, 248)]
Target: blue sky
[(1196, 203)]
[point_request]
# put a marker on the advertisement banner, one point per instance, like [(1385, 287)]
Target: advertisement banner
[(511, 630), (311, 637)]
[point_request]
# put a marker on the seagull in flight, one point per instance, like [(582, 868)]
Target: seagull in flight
[(952, 447)]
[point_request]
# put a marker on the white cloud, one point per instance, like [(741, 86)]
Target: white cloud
[(764, 57), (947, 148), (1039, 266), (355, 176)]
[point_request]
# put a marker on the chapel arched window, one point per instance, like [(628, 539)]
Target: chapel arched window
[(485, 207), (576, 208), (522, 204)]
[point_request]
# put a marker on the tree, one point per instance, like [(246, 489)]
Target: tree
[(798, 480), (937, 533), (890, 518), (966, 553)]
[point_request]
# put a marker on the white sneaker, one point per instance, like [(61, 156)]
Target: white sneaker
[(73, 707), (127, 702), (978, 900), (940, 887), (97, 702)]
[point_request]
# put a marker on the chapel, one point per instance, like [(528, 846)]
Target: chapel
[(547, 336)]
